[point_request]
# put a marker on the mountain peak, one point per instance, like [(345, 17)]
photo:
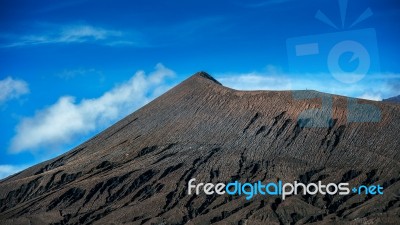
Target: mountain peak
[(205, 75)]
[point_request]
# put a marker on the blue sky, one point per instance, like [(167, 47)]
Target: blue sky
[(70, 69)]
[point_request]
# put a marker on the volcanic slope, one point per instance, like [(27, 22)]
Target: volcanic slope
[(136, 171)]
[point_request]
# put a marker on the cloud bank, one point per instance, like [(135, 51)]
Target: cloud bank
[(255, 81), (373, 87), (61, 122), (12, 88)]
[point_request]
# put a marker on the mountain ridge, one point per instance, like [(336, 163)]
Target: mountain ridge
[(395, 99)]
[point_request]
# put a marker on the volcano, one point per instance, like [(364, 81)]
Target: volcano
[(137, 170)]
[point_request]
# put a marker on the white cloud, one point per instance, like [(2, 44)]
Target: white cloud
[(67, 118), (7, 170), (255, 81), (83, 33), (75, 33), (12, 88), (270, 79), (371, 96), (372, 87)]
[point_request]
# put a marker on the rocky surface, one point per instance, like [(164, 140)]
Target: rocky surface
[(136, 171)]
